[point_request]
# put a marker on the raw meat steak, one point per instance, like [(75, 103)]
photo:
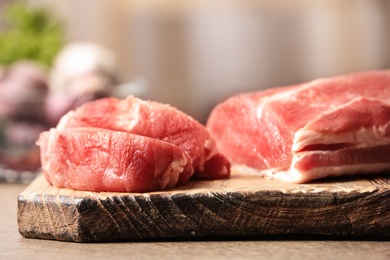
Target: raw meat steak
[(155, 120), (327, 127), (97, 159)]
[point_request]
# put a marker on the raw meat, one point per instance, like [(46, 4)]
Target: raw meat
[(327, 127), (155, 120), (97, 159)]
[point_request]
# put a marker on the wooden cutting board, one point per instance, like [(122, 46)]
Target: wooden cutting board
[(243, 205)]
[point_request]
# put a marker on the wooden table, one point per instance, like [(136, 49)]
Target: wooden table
[(14, 246)]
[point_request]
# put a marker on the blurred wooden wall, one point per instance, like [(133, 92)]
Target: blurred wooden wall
[(196, 53)]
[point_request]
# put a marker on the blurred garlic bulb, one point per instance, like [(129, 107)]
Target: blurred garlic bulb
[(82, 72)]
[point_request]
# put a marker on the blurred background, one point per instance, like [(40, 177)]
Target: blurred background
[(191, 54)]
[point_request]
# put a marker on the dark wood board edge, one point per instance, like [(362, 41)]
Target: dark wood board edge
[(49, 213)]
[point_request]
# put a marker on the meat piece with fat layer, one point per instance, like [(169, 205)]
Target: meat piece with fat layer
[(327, 127)]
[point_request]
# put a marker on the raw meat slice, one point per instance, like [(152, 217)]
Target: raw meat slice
[(156, 120), (327, 127), (96, 159)]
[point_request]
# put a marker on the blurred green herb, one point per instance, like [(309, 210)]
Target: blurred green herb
[(30, 33)]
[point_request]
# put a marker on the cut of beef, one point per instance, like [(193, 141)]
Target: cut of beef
[(97, 159), (327, 127), (155, 120)]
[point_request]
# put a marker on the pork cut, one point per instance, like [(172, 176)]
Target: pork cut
[(96, 159), (327, 127), (155, 120)]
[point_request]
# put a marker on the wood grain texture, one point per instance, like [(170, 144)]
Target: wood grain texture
[(240, 206)]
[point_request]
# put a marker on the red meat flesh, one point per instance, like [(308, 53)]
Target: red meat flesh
[(96, 159), (327, 127), (155, 120)]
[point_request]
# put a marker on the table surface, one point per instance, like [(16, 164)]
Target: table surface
[(14, 246)]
